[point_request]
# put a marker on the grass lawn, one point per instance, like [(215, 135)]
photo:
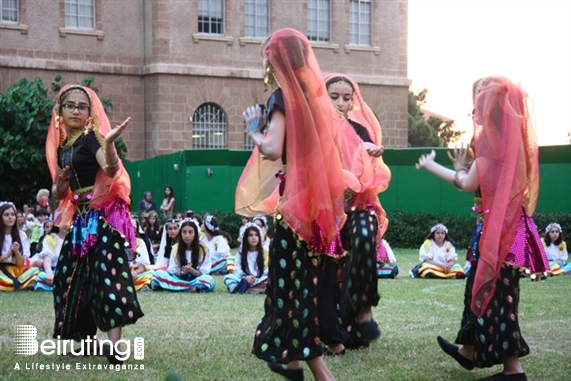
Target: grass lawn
[(208, 336)]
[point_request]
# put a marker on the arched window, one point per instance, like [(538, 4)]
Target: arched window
[(248, 142), (209, 127)]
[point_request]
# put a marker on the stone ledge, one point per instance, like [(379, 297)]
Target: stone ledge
[(21, 27), (63, 32), (357, 48)]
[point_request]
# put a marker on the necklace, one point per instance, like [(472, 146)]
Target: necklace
[(70, 141)]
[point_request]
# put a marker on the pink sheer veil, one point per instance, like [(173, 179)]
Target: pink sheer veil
[(506, 155)]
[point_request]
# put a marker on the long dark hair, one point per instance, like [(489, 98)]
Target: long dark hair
[(213, 228), (446, 236), (169, 197), (15, 233), (547, 237), (245, 248), (196, 248)]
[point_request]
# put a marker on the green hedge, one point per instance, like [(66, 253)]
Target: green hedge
[(408, 230)]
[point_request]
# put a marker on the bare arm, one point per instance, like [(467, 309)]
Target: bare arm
[(466, 179), (107, 157), (270, 144)]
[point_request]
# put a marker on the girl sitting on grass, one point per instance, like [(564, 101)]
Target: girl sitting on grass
[(556, 250), (251, 266), (48, 257), (438, 256), (189, 263)]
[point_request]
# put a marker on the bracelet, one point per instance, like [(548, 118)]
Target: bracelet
[(113, 166)]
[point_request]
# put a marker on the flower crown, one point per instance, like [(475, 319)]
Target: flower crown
[(252, 225), (208, 223), (261, 218), (553, 225), (189, 220), (8, 202), (437, 227)]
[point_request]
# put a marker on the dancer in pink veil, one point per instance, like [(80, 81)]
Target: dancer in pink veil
[(505, 244)]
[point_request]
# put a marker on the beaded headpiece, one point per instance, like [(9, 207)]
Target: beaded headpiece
[(189, 221), (252, 225), (439, 227), (553, 225)]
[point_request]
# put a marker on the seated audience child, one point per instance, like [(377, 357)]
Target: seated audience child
[(168, 238), (47, 258), (386, 262), (139, 259), (438, 257), (189, 263), (217, 241), (251, 266), (15, 251), (556, 250)]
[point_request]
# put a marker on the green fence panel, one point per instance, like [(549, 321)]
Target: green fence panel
[(206, 180)]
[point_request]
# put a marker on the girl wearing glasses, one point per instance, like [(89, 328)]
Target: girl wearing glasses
[(90, 289)]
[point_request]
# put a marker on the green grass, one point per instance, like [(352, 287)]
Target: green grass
[(208, 336)]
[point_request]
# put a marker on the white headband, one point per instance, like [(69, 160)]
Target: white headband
[(553, 225), (208, 223), (261, 218), (439, 226), (252, 225), (192, 221)]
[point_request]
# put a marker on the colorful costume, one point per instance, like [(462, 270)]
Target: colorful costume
[(93, 287), (366, 223), (306, 192), (505, 242)]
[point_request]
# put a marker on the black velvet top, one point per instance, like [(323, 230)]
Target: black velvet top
[(80, 157), (361, 131)]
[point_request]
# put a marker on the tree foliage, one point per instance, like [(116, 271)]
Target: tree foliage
[(431, 132), (25, 112)]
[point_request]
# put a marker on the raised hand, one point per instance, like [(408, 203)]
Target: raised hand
[(425, 160), (256, 117), (460, 157), (115, 133)]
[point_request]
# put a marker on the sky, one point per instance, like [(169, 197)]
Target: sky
[(452, 43)]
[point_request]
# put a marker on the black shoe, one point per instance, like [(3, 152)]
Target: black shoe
[(112, 358), (290, 374), (452, 350), (370, 331), (505, 377)]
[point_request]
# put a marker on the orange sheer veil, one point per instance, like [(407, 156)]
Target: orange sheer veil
[(322, 163), (106, 189), (506, 156), (361, 113)]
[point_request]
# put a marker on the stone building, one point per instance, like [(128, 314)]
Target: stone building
[(184, 70)]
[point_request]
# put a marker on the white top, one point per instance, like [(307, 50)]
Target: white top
[(217, 246), (51, 247), (430, 250), (25, 248), (557, 253), (252, 265), (174, 266), (390, 254), (143, 257)]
